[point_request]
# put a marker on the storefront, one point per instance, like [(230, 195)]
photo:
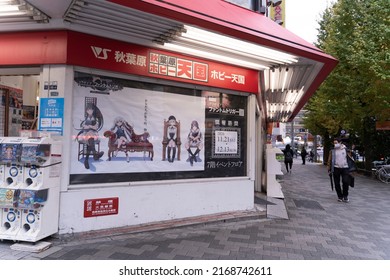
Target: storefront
[(152, 130)]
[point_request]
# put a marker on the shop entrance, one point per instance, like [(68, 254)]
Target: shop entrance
[(19, 92)]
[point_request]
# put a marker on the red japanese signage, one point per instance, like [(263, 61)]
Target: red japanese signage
[(102, 53), (384, 125), (101, 207), (73, 48), (173, 66)]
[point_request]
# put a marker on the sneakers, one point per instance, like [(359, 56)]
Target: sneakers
[(340, 200), (346, 200)]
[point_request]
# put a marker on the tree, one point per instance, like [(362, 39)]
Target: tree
[(357, 92)]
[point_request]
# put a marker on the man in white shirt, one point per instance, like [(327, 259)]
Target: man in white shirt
[(338, 166)]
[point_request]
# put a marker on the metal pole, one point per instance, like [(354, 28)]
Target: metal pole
[(315, 149), (292, 134)]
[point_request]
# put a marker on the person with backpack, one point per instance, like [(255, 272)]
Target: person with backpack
[(288, 158)]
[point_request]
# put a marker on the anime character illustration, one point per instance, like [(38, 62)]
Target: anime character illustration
[(123, 133), (88, 134), (9, 153), (172, 138), (120, 135), (194, 141), (122, 138)]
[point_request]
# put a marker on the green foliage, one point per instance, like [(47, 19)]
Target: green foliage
[(357, 33)]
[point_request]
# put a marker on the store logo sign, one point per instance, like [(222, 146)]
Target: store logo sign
[(100, 53)]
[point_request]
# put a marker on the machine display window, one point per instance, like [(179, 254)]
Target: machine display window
[(35, 154), (29, 199), (9, 153)]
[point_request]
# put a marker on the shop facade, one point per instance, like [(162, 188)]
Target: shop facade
[(150, 133)]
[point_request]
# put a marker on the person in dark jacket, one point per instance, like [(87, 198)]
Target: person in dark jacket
[(303, 155), (288, 157)]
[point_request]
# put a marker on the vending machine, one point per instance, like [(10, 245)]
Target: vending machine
[(1, 167), (3, 192), (10, 149), (36, 196)]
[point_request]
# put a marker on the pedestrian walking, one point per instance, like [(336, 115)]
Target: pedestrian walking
[(311, 156), (288, 157), (303, 155), (339, 168)]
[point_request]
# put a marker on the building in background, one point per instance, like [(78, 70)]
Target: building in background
[(274, 9)]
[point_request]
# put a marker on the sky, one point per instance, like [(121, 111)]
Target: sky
[(302, 17)]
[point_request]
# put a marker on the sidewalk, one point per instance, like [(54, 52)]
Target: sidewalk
[(318, 227)]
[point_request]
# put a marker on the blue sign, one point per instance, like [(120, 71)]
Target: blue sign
[(51, 115)]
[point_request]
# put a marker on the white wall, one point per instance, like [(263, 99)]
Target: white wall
[(146, 203), (30, 88)]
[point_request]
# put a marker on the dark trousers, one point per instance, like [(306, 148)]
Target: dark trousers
[(288, 164), (343, 174)]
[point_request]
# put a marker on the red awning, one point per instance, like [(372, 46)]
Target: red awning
[(241, 23)]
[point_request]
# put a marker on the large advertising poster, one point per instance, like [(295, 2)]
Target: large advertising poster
[(127, 131), (226, 130), (119, 129)]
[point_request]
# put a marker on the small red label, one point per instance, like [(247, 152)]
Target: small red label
[(101, 207)]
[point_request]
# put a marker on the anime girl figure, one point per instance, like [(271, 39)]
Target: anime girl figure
[(122, 131), (194, 140), (90, 127), (9, 152), (172, 138)]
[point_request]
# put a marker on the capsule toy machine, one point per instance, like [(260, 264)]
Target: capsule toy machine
[(38, 198), (3, 192), (12, 180), (2, 175)]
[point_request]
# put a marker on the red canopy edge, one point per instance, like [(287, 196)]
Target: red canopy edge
[(229, 19)]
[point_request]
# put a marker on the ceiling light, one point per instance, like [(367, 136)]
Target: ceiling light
[(273, 80), (213, 56), (285, 80), (6, 9), (228, 43), (195, 41), (19, 11)]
